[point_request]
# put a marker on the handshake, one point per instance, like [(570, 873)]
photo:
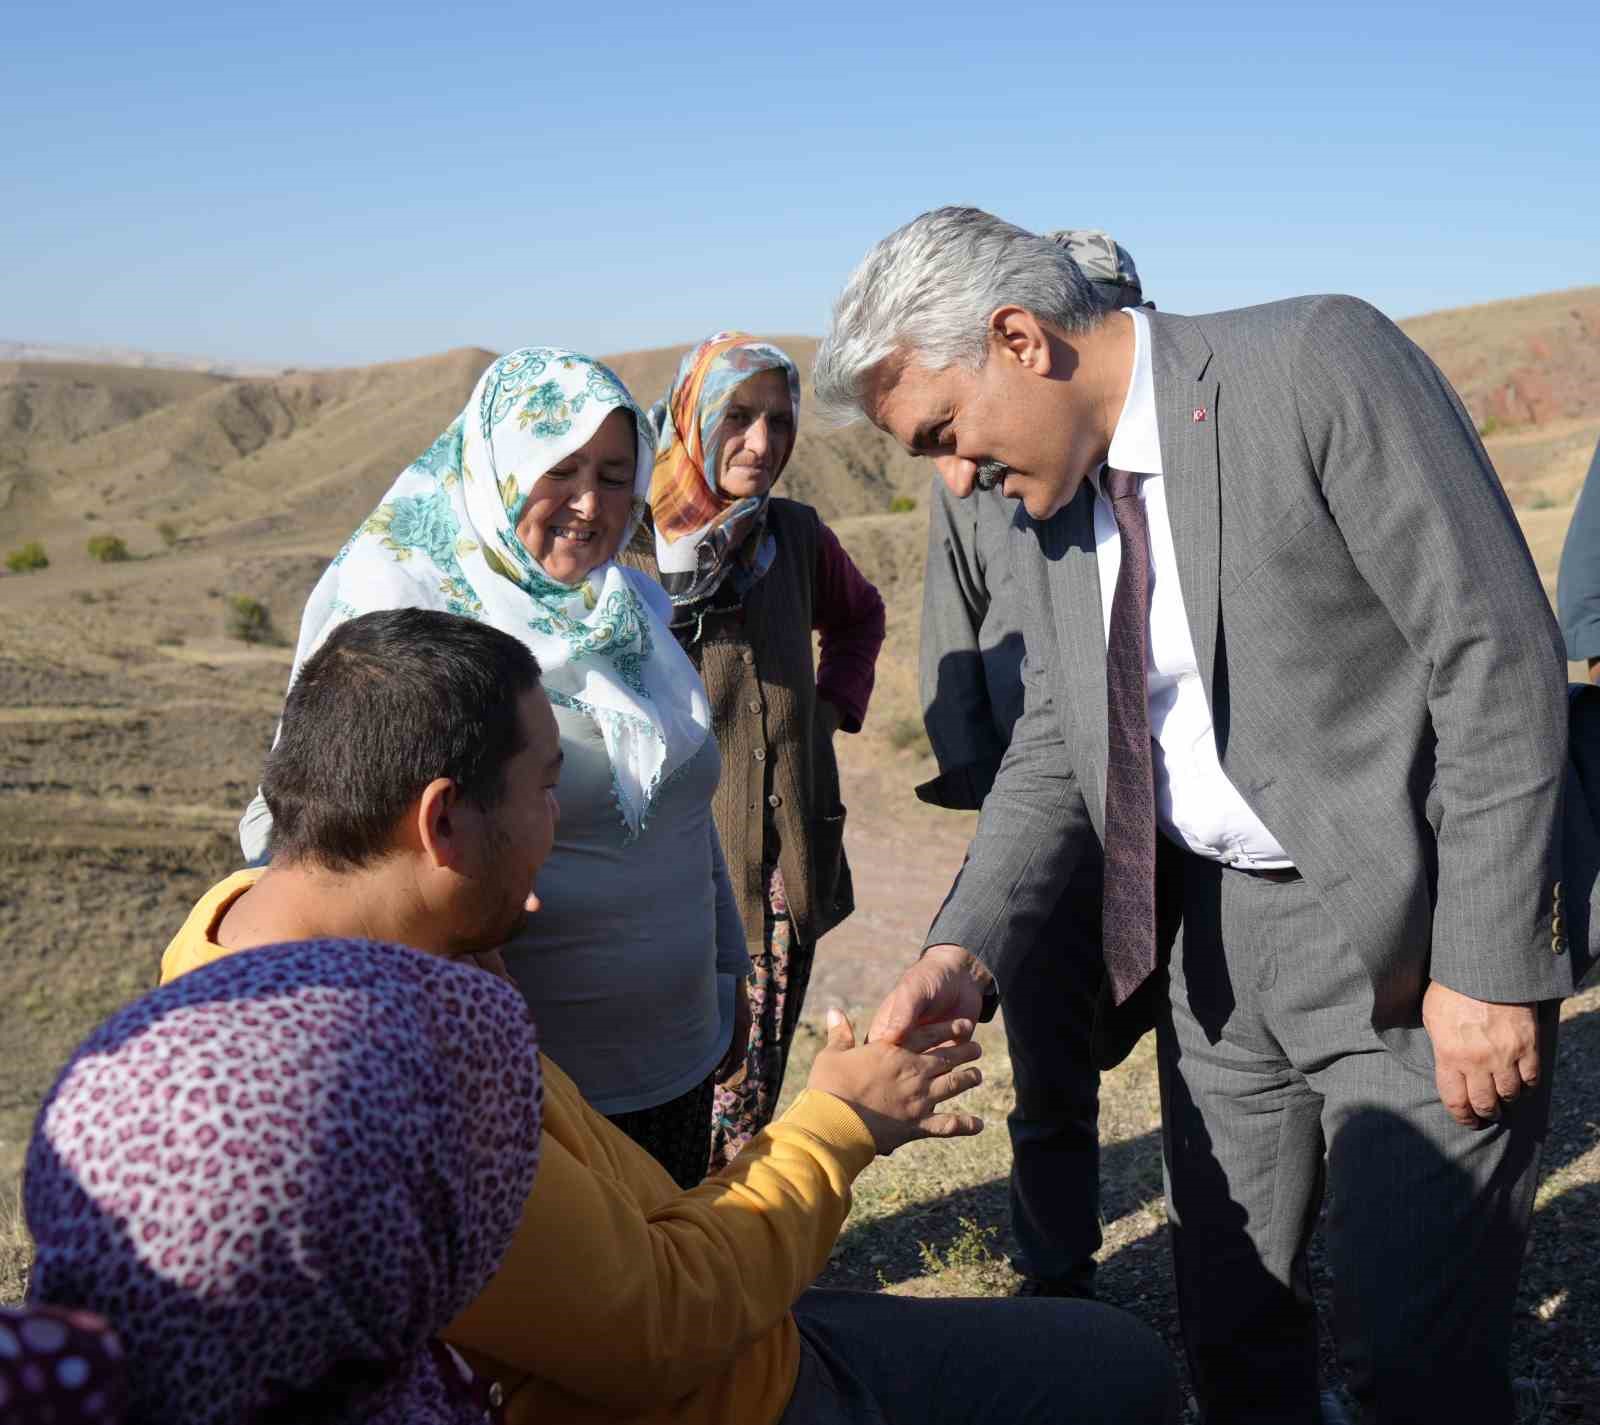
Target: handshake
[(896, 1088)]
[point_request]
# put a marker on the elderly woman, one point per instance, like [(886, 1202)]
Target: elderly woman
[(750, 577), (514, 516), (279, 1177)]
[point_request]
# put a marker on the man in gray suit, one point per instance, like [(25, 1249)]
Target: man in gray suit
[(1316, 722), (971, 677)]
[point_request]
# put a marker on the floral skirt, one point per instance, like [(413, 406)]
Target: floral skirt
[(745, 1105)]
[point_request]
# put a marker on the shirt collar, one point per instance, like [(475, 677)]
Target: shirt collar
[(1136, 442)]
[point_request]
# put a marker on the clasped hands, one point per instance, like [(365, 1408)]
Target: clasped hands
[(919, 1054), (908, 1067)]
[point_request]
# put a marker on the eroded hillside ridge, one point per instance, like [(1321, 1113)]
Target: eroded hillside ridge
[(308, 451)]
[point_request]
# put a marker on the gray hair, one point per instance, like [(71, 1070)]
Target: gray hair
[(927, 291)]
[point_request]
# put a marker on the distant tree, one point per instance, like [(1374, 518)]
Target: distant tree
[(108, 548), (28, 558), (246, 618)]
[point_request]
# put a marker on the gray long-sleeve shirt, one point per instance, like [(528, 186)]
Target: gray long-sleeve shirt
[(1578, 583), (971, 652)]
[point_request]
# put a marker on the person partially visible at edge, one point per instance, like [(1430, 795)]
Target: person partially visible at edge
[(1578, 581), (1291, 668), (282, 1176), (971, 681), (750, 577), (514, 516), (690, 1307)]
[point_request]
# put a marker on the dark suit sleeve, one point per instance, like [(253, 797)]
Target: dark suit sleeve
[(1432, 533), (1578, 584), (1030, 838), (955, 695)]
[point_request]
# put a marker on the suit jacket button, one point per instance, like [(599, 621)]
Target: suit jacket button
[(774, 800), (760, 754)]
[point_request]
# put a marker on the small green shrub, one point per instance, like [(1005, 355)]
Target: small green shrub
[(30, 557), (1542, 500), (108, 548), (246, 618), (1492, 425), (902, 504), (968, 1248), (168, 532)]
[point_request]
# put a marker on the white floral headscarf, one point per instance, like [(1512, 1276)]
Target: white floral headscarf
[(445, 537)]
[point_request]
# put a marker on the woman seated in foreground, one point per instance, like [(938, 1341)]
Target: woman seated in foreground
[(279, 1177), (514, 517)]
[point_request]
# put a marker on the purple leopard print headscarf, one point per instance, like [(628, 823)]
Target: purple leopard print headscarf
[(281, 1175)]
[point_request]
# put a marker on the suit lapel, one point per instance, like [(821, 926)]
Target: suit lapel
[(1186, 411)]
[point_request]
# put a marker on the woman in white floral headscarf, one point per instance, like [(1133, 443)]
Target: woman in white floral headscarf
[(635, 964)]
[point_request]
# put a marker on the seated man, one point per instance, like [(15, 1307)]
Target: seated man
[(412, 799)]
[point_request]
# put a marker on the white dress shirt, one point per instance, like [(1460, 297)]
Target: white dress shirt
[(1196, 805)]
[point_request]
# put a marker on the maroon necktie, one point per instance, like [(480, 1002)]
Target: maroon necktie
[(1128, 930)]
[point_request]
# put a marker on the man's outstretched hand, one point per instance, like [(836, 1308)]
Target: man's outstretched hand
[(946, 983), (896, 1089), (1484, 1054)]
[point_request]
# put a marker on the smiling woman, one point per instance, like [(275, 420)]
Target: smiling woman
[(575, 515), (514, 516)]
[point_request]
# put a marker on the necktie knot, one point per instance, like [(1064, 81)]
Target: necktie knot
[(1119, 484)]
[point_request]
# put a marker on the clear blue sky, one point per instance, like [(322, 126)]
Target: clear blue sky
[(331, 182)]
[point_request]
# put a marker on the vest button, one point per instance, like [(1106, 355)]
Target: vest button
[(760, 754), (748, 656), (774, 800)]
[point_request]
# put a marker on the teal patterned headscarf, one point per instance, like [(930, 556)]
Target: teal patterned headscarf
[(444, 537)]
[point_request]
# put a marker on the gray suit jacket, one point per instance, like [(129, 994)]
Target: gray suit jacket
[(1384, 673)]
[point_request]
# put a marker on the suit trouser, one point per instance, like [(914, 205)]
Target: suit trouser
[(1048, 1005), (867, 1358), (1269, 1062)]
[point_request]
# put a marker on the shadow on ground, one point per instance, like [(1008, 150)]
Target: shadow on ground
[(959, 1243)]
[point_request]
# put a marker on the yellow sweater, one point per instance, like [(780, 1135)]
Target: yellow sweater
[(623, 1298)]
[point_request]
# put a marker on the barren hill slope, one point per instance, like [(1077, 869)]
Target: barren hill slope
[(290, 463), (293, 455)]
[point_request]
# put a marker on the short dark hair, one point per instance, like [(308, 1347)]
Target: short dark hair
[(391, 701)]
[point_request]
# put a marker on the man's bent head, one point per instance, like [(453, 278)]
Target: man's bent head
[(957, 336)]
